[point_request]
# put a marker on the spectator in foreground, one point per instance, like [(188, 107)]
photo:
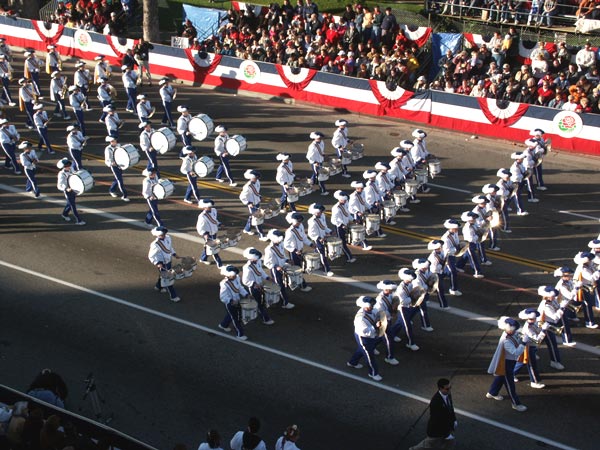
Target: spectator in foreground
[(248, 439), (213, 441)]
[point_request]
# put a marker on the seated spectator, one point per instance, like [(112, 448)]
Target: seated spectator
[(585, 58), (557, 102), (420, 85), (52, 436), (545, 93), (479, 90), (539, 66), (449, 87), (570, 105), (464, 88), (549, 10), (49, 387), (584, 106)]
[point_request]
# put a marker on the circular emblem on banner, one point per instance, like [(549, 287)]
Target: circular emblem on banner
[(250, 71), (567, 124), (82, 39)]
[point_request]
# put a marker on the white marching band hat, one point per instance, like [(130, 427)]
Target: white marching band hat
[(252, 254), (229, 271), (220, 129), (406, 144), (537, 132), (283, 156), (27, 53), (144, 124), (108, 108), (530, 143), (341, 123), (517, 155), (583, 258), (38, 106), (182, 109), (72, 127), (406, 274), (63, 162), (55, 74), (23, 80), (73, 88), (451, 223), (562, 271), (467, 216), (146, 172), (188, 149), (547, 292), (420, 263), (293, 217), (205, 203), (382, 166), (364, 301), (110, 138), (480, 199), (250, 174), (25, 144), (594, 244), (397, 151), (275, 236), (3, 121), (489, 188), (506, 323), (340, 196), (315, 208), (386, 284), (98, 58), (419, 134), (435, 244), (159, 231), (529, 313), (369, 173), (357, 184), (503, 173), (124, 67), (316, 135), (163, 81), (141, 96)]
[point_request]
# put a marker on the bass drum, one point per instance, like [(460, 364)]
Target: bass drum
[(204, 166), (81, 181), (235, 145), (163, 140), (163, 189), (127, 156), (201, 127)]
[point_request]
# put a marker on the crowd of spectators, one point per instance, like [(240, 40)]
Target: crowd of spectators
[(102, 16)]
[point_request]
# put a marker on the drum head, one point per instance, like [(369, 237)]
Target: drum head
[(201, 127), (160, 142), (76, 183)]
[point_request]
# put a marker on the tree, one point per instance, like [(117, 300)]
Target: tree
[(151, 26)]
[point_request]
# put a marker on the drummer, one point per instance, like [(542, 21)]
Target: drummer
[(104, 96), (250, 196), (451, 247), (481, 222), (421, 267), (231, 291), (77, 100), (146, 146), (223, 154), (438, 265), (539, 151), (129, 78), (285, 178), (160, 254), (341, 142), (109, 160), (318, 232), (112, 121), (419, 153), (150, 180), (75, 143), (40, 120), (254, 277), (506, 192), (182, 126), (470, 235), (386, 303), (385, 186), (408, 165), (405, 309), (64, 166), (167, 94), (276, 262), (28, 160), (207, 227), (143, 108), (357, 206), (187, 169), (294, 241), (340, 218), (8, 139), (494, 205), (366, 334), (372, 196), (316, 156)]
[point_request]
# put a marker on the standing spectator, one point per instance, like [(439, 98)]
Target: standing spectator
[(388, 27), (534, 13), (550, 9), (142, 55), (189, 31)]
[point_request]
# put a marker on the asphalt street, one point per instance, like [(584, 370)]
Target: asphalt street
[(81, 299)]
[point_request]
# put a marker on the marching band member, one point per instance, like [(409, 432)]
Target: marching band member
[(357, 206), (53, 60), (167, 94), (65, 171), (31, 67), (8, 139), (423, 274), (594, 246), (40, 119), (316, 156), (76, 100), (29, 160), (529, 358), (529, 164), (507, 193), (276, 261), (494, 205), (5, 75), (385, 302), (129, 78), (248, 438), (207, 227), (223, 155), (160, 254), (81, 79), (406, 310), (285, 178), (451, 247), (470, 235), (518, 173), (396, 172), (552, 312), (104, 96), (317, 232), (5, 49), (253, 278), (385, 185), (340, 218), (102, 69), (144, 109), (341, 142), (587, 276), (112, 121), (366, 334), (503, 363), (58, 88), (187, 169), (372, 196), (146, 146), (540, 150), (408, 165), (109, 160), (567, 290), (182, 125), (75, 143), (438, 265), (27, 96), (482, 223), (294, 241), (289, 439), (419, 153), (231, 291), (151, 178), (250, 196)]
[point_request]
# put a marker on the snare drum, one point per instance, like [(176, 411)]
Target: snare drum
[(163, 140), (271, 293), (80, 181), (163, 189), (358, 233), (179, 272), (334, 247), (204, 166), (347, 158), (421, 175), (213, 247), (411, 187), (293, 277), (435, 167), (358, 151), (189, 265), (312, 262), (335, 166), (292, 194), (235, 145), (304, 189), (167, 278), (258, 218), (126, 156), (373, 222), (400, 198), (249, 310), (323, 174), (200, 127), (234, 239), (389, 209)]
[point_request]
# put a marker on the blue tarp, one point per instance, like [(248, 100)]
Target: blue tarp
[(205, 20), (440, 44)]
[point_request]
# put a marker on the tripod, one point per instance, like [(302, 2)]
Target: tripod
[(91, 392)]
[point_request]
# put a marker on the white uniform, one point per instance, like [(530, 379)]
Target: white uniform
[(357, 203), (317, 227), (28, 160), (253, 273), (316, 152), (236, 442), (75, 140), (251, 193), (295, 239), (275, 256), (62, 182), (419, 152), (161, 251), (182, 124), (285, 173), (187, 164), (340, 138), (207, 222), (147, 187), (385, 182), (340, 216), (112, 122), (145, 142), (219, 142)]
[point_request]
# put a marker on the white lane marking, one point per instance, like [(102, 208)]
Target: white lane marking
[(448, 188), (583, 216), (283, 354), (345, 280)]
